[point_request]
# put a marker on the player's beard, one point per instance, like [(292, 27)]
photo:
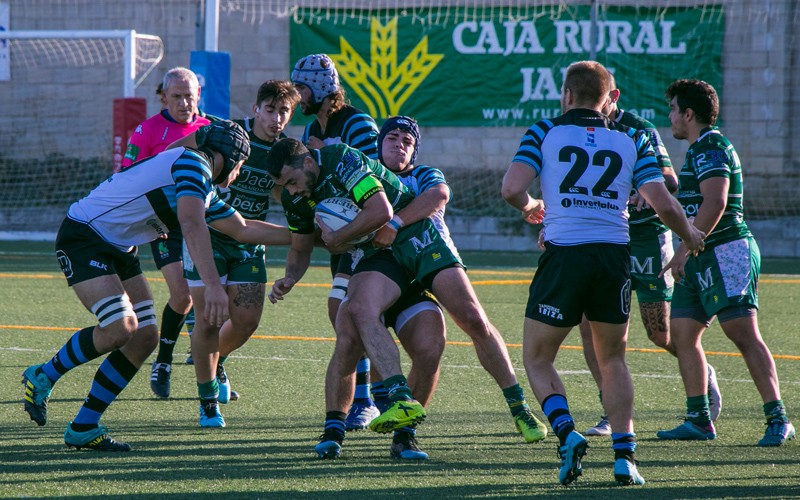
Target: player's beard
[(311, 178)]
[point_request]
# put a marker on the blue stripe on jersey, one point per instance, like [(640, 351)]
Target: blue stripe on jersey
[(218, 209), (422, 178), (192, 175), (530, 148), (361, 132), (646, 168)]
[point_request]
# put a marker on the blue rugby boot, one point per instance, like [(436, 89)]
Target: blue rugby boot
[(95, 439), (360, 415), (210, 415), (224, 385), (571, 453), (626, 473), (330, 444), (689, 431), (160, 379), (37, 393), (779, 430), (405, 447)]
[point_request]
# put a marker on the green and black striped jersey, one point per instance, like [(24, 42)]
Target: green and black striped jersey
[(250, 193), (713, 155)]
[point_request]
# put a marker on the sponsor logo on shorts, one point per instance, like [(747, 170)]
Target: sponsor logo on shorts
[(645, 267), (98, 265), (550, 311), (64, 263), (420, 244), (163, 249), (705, 280), (625, 298)]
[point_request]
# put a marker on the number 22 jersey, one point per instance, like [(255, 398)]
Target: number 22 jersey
[(587, 165)]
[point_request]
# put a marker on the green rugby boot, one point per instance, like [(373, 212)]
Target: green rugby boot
[(531, 428), (401, 414)]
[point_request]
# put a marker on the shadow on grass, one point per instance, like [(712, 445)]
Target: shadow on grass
[(262, 458)]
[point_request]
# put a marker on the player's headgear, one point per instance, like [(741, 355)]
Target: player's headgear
[(318, 73), (226, 138), (404, 123)]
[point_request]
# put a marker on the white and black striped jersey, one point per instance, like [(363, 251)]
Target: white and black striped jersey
[(587, 165), (420, 179), (139, 204), (349, 126)]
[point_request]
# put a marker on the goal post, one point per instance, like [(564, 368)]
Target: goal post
[(59, 133), (130, 79)]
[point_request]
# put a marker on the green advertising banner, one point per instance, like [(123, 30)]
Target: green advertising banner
[(506, 69)]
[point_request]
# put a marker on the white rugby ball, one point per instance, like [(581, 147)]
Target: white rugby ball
[(337, 213)]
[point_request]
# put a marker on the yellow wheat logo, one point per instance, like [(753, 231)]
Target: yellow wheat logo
[(384, 85)]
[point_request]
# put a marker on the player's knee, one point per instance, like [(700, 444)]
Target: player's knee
[(747, 343), (180, 302), (147, 324), (333, 311), (120, 332), (361, 313), (427, 360), (147, 338), (740, 326), (346, 354), (476, 324), (659, 338), (244, 327), (348, 340), (116, 319)]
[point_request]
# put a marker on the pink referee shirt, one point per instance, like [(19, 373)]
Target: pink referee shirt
[(153, 135)]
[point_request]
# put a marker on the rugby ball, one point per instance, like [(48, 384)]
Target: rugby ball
[(337, 213)]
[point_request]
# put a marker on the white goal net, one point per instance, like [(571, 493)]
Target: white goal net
[(56, 111), (55, 145)]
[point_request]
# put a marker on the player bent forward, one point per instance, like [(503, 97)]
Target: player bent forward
[(415, 317), (309, 177), (96, 248)]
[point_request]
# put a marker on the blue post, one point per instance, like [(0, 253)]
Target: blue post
[(213, 69)]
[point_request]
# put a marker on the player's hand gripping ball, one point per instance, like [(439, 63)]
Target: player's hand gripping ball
[(337, 213)]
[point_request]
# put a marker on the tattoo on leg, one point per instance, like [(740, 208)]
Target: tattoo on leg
[(654, 317), (249, 296)]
